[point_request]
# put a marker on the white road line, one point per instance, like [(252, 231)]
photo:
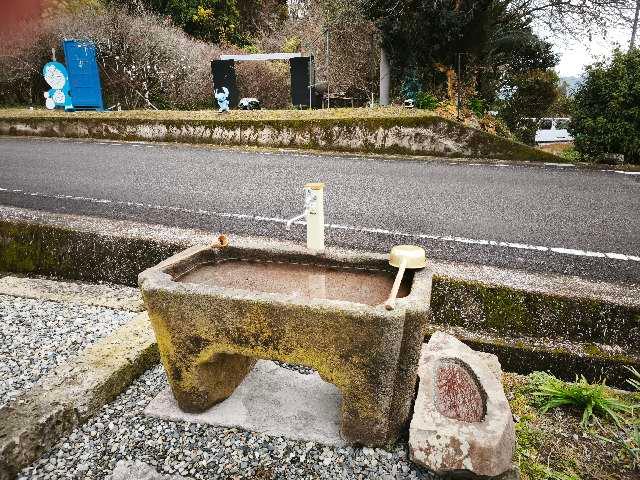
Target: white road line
[(552, 164), (334, 226), (627, 173)]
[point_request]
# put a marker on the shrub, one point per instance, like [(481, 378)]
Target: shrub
[(477, 106), (527, 97), (410, 87), (352, 68), (591, 399), (570, 155), (605, 113), (143, 60), (20, 78), (426, 101)]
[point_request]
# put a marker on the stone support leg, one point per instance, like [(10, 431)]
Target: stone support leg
[(198, 386), (365, 419)]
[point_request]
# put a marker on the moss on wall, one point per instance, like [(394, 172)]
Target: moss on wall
[(412, 135), (55, 251), (507, 311), (565, 363)]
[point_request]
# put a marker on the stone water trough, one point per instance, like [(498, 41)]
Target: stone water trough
[(216, 311)]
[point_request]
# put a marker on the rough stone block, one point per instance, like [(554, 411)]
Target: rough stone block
[(462, 424), (210, 335)]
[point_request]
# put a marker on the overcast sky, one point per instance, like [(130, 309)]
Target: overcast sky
[(574, 56)]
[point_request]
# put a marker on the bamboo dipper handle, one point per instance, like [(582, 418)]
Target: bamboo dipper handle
[(391, 301)]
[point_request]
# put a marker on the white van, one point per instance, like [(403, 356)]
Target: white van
[(553, 130)]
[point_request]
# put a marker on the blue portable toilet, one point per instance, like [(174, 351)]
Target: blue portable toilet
[(84, 76)]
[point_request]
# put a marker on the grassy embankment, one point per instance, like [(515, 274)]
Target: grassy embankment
[(559, 444), (234, 115)]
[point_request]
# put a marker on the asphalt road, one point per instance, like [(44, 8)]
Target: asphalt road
[(542, 218)]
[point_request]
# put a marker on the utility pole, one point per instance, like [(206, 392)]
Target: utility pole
[(327, 61), (459, 81), (385, 78), (635, 26)]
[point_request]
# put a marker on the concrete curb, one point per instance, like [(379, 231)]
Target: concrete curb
[(71, 394), (423, 135), (101, 295), (520, 316)]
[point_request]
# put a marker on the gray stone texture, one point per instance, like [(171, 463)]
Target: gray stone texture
[(428, 135), (136, 470), (209, 336), (439, 437), (468, 301)]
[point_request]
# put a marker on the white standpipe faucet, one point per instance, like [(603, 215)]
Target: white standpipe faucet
[(314, 216)]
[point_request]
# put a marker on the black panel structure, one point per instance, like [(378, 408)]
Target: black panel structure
[(224, 75), (301, 77)]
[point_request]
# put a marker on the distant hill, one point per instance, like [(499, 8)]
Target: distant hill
[(572, 82)]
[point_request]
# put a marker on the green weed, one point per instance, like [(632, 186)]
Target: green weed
[(426, 101), (632, 447), (477, 106), (634, 382), (553, 475), (592, 399)]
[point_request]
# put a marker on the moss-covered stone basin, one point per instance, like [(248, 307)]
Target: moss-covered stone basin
[(215, 312)]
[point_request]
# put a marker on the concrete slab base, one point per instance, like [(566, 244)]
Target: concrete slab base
[(270, 400)]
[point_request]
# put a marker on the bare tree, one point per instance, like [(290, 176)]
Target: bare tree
[(576, 18), (632, 44), (561, 18), (353, 44)]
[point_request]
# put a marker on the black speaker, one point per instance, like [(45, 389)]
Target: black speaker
[(301, 78), (224, 75)]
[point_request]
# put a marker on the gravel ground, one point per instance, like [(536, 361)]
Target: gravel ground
[(122, 432), (37, 335), (296, 368)]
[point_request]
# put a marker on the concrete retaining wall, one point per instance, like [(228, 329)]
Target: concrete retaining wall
[(425, 135), (531, 321)]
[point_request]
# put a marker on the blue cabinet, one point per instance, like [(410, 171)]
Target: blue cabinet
[(84, 76)]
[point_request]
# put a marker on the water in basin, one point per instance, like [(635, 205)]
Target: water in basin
[(301, 281)]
